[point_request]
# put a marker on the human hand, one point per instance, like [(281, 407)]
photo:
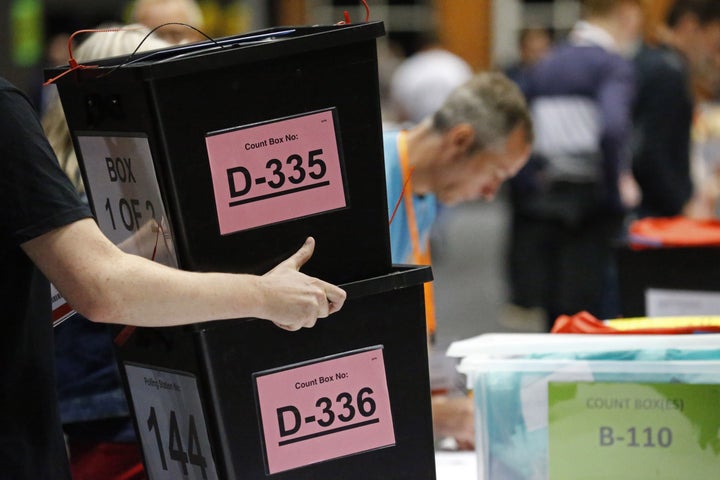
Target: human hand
[(454, 417), (296, 300), (698, 208), (630, 193)]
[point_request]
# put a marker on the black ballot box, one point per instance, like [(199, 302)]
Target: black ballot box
[(668, 269), (248, 143), (242, 399), (224, 156)]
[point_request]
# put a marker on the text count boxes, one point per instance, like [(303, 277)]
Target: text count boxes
[(600, 430)]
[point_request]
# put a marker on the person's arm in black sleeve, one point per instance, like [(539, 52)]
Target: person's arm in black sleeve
[(615, 98), (660, 129)]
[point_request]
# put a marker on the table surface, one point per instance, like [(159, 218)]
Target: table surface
[(456, 465)]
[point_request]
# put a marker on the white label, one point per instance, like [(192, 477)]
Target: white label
[(126, 197), (171, 423), (61, 310), (677, 303)]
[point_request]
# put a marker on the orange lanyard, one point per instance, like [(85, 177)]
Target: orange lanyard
[(407, 195), (418, 257)]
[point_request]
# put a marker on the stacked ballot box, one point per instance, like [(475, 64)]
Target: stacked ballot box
[(225, 155), (240, 148), (348, 398)]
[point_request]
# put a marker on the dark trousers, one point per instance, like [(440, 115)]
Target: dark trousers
[(564, 267)]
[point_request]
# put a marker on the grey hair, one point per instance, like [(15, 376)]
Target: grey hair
[(491, 103)]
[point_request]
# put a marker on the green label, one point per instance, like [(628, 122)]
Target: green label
[(27, 32), (633, 431)]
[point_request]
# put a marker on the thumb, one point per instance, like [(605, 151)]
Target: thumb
[(300, 258)]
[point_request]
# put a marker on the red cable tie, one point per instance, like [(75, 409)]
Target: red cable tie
[(367, 10), (402, 194), (72, 63), (157, 238), (124, 334), (76, 67)]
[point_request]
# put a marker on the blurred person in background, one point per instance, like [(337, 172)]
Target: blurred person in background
[(664, 110), (418, 87), (422, 81), (56, 53), (479, 136), (533, 44), (571, 204), (153, 13)]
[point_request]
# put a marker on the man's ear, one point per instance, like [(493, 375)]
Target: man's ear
[(461, 138)]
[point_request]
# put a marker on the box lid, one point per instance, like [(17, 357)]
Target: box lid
[(505, 345), (251, 47)]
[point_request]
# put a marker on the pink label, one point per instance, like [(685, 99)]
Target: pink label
[(326, 409), (276, 171)]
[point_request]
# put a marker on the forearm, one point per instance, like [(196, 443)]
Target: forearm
[(107, 285), (141, 292)]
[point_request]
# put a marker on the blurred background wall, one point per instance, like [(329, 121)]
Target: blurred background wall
[(483, 32)]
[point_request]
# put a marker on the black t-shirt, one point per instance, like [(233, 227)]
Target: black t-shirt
[(35, 198)]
